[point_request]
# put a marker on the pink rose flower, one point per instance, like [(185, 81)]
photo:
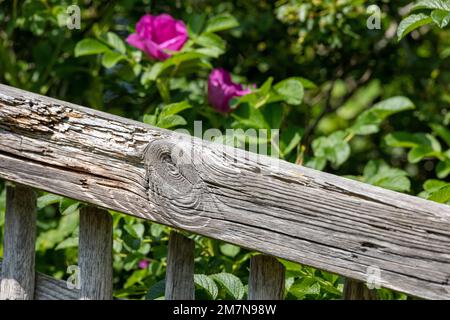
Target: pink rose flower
[(143, 264), (221, 90), (155, 35)]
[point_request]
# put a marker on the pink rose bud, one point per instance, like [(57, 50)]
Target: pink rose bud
[(158, 35), (143, 264), (221, 90)]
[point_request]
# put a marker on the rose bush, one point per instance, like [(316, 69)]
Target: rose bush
[(371, 109)]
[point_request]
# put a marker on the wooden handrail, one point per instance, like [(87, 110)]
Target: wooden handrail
[(257, 202)]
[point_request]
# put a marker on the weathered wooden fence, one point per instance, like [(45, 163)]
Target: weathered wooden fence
[(260, 203)]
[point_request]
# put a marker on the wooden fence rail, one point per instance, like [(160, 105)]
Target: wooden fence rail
[(256, 202)]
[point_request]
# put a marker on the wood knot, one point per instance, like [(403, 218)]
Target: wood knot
[(174, 185)]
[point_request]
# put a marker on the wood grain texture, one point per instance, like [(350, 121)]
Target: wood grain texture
[(95, 254), (18, 277), (256, 202), (48, 288), (357, 290), (266, 281), (180, 268)]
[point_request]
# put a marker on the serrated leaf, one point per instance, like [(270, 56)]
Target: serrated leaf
[(440, 17), (411, 23), (206, 283), (89, 46), (221, 22), (432, 4), (291, 90), (442, 195), (230, 283), (379, 173), (433, 185)]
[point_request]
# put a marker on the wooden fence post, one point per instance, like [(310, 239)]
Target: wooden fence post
[(95, 254), (266, 280), (18, 274), (180, 268), (357, 290)]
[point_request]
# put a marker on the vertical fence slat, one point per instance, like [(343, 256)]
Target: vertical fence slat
[(357, 290), (18, 274), (266, 281), (95, 254), (180, 268)]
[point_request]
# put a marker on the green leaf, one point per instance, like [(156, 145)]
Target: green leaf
[(47, 200), (334, 148), (206, 283), (176, 60), (423, 145), (171, 121), (71, 242), (88, 47), (110, 58), (68, 206), (411, 23), (230, 283), (291, 90), (433, 185), (229, 250), (442, 195), (156, 291), (432, 4), (442, 132), (115, 42), (317, 163), (418, 153), (379, 173), (440, 17), (368, 122), (208, 39), (406, 140), (443, 169), (221, 22), (174, 108), (135, 230), (150, 119), (305, 286)]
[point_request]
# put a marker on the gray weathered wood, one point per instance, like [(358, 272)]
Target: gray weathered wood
[(18, 277), (95, 254), (180, 268), (266, 281), (48, 288), (292, 212), (357, 290)]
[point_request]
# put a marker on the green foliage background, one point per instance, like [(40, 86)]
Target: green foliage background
[(369, 104)]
